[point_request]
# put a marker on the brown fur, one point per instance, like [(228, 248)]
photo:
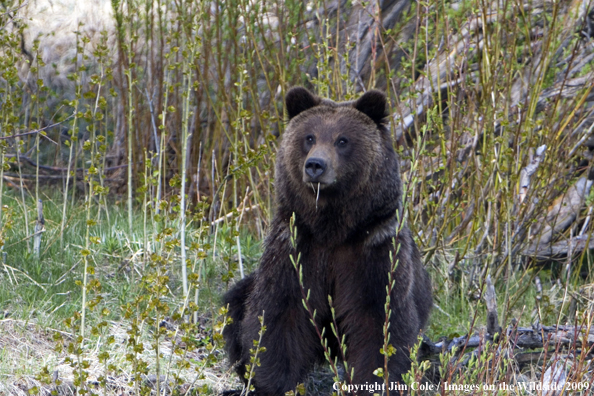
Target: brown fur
[(345, 236)]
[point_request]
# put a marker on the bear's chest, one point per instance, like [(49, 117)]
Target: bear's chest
[(324, 267)]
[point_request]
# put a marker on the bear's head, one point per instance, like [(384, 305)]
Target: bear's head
[(336, 166), (334, 147)]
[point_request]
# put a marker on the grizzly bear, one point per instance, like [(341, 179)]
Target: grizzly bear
[(338, 174)]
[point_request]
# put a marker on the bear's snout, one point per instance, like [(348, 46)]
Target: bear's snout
[(314, 168)]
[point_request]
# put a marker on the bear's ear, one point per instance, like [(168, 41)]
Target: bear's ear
[(374, 105), (299, 99)]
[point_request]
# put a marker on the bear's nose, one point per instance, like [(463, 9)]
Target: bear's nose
[(315, 167)]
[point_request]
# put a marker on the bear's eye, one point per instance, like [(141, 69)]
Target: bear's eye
[(342, 142), (310, 139)]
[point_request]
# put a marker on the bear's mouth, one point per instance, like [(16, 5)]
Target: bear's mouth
[(318, 188), (324, 181), (318, 185)]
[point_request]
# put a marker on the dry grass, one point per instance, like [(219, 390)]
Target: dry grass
[(28, 347)]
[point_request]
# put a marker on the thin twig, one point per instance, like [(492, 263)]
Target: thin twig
[(37, 131)]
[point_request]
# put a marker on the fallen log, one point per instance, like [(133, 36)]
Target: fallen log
[(524, 345), (534, 337), (560, 249)]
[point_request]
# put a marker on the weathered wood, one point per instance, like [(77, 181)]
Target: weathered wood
[(491, 301), (560, 249), (516, 338), (39, 229), (526, 174)]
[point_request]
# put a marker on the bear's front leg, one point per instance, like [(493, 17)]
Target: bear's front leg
[(363, 328), (291, 342), (359, 301)]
